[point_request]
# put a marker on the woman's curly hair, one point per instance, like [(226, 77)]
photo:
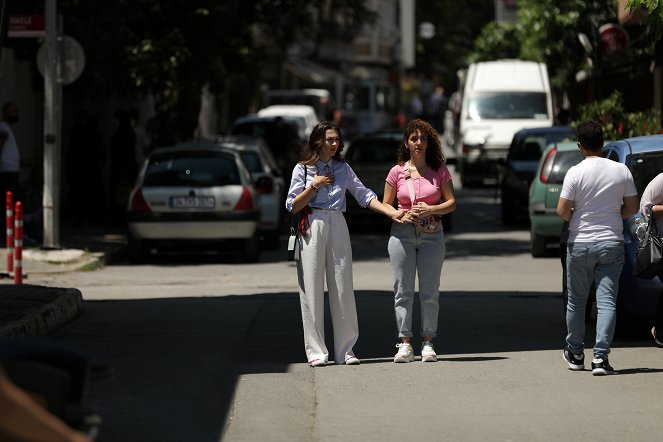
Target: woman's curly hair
[(434, 155)]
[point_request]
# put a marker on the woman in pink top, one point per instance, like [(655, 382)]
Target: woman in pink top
[(422, 184)]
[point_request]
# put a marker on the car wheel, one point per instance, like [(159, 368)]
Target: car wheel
[(136, 250), (252, 249), (538, 244)]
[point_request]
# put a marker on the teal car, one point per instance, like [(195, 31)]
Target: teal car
[(545, 225)]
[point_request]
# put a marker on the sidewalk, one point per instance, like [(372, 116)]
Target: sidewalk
[(28, 311)]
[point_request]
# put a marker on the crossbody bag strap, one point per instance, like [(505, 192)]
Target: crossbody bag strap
[(296, 218), (408, 181)]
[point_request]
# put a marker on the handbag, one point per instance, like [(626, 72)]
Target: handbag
[(428, 224), (649, 256), (294, 239)]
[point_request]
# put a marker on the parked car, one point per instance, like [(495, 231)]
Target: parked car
[(371, 157), (638, 297), (545, 225), (303, 113), (268, 183), (519, 168), (197, 194)]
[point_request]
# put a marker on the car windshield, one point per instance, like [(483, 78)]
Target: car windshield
[(564, 160), (507, 105), (529, 148), (373, 151), (252, 161), (644, 167), (193, 169)]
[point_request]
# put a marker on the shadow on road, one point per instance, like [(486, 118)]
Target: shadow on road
[(178, 360)]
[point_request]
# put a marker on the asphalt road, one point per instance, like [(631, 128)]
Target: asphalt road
[(213, 351)]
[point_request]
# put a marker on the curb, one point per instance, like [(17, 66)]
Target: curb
[(32, 311)]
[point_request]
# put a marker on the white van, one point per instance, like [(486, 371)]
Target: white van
[(499, 98), (303, 114)]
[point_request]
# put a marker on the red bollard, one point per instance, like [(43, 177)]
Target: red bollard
[(18, 244), (10, 232)]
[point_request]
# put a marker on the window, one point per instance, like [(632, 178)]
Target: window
[(507, 105), (193, 169)]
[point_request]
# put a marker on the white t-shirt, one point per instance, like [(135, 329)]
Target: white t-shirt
[(653, 196), (9, 160), (597, 186)]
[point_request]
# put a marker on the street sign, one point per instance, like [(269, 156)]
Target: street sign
[(73, 59), (25, 26)]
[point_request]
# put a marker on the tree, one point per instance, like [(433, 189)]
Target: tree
[(457, 24), (654, 13), (496, 41), (172, 49), (549, 33)]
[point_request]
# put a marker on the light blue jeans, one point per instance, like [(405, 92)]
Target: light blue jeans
[(413, 254), (586, 262)]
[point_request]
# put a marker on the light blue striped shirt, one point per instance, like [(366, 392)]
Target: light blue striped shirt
[(332, 196)]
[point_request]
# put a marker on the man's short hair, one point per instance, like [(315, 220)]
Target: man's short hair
[(590, 135)]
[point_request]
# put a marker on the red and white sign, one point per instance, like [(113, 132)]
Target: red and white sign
[(613, 39), (26, 26)]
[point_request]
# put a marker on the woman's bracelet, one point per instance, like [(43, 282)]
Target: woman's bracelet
[(314, 187)]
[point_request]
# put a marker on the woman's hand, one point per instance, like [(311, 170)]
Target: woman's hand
[(422, 210), (323, 180), (398, 216), (409, 217)]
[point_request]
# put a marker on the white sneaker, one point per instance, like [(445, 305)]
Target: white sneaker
[(427, 352), (405, 353)]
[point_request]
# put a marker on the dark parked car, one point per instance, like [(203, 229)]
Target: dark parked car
[(637, 298), (519, 168), (371, 157)]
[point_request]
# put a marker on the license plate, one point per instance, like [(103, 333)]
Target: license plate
[(192, 202)]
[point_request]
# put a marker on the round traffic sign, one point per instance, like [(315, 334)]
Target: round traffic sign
[(73, 59)]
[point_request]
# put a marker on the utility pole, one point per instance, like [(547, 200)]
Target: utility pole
[(52, 125)]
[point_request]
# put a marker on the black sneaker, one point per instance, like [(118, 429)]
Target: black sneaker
[(601, 367), (576, 361)]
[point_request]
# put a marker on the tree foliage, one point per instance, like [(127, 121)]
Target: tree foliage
[(654, 16), (457, 25), (172, 49), (549, 33), (496, 41)]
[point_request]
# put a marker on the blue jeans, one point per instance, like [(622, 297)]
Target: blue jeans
[(411, 255), (600, 262)]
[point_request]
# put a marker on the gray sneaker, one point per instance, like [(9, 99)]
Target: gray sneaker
[(427, 352), (405, 353)]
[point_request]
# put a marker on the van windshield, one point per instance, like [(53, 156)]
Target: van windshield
[(507, 105)]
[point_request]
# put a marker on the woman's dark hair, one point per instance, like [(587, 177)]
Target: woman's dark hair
[(311, 153), (590, 135), (434, 155)]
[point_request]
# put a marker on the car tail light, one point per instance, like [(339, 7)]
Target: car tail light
[(547, 165), (138, 203), (245, 201), (264, 185)]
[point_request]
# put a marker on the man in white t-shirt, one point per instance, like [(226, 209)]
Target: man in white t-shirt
[(10, 159), (596, 196)]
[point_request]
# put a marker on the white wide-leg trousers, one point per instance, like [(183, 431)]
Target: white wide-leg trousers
[(326, 253)]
